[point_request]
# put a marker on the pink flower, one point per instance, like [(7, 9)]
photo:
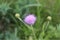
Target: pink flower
[(30, 19)]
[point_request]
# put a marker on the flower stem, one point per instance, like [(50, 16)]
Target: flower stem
[(30, 28), (33, 32), (24, 23)]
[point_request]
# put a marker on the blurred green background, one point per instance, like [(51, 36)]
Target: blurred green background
[(11, 28)]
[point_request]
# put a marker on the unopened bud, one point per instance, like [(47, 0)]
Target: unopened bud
[(17, 15), (49, 18)]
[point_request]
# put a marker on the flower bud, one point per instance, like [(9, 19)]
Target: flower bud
[(49, 18), (17, 15)]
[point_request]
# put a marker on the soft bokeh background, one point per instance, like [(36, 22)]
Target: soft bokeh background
[(11, 28)]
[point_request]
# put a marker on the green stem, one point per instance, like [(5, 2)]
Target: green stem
[(33, 32), (31, 28), (24, 23), (16, 31), (45, 25)]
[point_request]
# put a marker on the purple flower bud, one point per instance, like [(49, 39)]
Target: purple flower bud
[(30, 19)]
